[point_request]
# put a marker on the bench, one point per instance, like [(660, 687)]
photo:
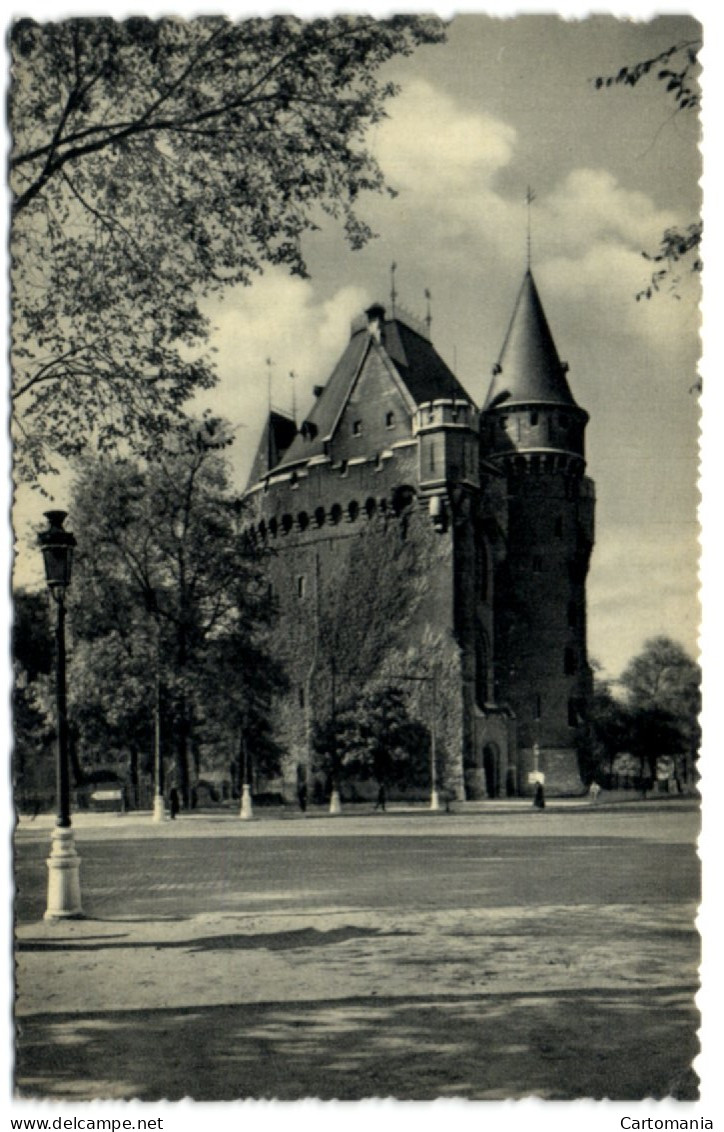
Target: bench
[(112, 800)]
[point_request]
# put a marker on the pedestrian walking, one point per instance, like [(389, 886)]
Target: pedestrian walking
[(302, 795), (539, 801), (173, 802), (594, 791), (381, 798)]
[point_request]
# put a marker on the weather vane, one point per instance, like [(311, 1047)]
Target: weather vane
[(293, 377), (428, 316), (529, 198), (393, 292)]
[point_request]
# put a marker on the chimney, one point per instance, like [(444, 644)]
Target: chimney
[(376, 321)]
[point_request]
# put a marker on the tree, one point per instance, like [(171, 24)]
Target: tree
[(33, 722), (374, 736), (165, 580), (662, 688), (153, 163), (608, 729), (677, 67)]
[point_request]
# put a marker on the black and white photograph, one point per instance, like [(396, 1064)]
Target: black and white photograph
[(355, 401)]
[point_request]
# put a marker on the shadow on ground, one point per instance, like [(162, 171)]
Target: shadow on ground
[(622, 1045), (236, 941)]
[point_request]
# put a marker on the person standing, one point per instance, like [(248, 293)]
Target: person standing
[(381, 798), (173, 802)]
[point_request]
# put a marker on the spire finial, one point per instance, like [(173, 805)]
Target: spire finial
[(529, 198), (269, 454), (293, 377), (428, 315), (393, 292)]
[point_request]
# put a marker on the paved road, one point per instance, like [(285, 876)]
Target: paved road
[(484, 955), (212, 864)]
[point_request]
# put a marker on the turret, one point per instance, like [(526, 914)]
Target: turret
[(530, 416), (533, 431)]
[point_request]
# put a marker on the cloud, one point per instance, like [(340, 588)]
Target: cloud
[(640, 586), (604, 279), (590, 205), (281, 319), (431, 146), (588, 232)]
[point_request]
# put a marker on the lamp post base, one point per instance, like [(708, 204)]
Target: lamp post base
[(434, 800), (159, 808), (335, 804), (247, 812), (63, 877)]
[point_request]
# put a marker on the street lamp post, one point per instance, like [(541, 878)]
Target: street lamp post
[(434, 796), (335, 799), (159, 803), (63, 863), (246, 813), (430, 678)]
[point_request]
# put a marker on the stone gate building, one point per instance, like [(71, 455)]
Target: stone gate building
[(415, 537)]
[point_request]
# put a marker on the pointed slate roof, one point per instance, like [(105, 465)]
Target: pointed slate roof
[(318, 425), (529, 369), (279, 432), (421, 369)]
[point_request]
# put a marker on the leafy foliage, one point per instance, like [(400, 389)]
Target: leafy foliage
[(658, 714), (676, 67), (675, 245), (373, 736), (155, 162), (166, 591)]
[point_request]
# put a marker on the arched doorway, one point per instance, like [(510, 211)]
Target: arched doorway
[(491, 769)]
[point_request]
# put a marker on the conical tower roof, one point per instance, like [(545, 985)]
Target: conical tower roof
[(529, 369)]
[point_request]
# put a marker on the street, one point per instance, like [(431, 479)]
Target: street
[(482, 955)]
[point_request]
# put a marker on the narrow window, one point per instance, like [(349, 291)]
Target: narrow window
[(534, 419), (538, 706), (432, 457), (336, 513), (389, 420), (319, 516), (301, 696), (357, 428), (301, 585)]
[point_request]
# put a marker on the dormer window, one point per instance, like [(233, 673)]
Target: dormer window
[(389, 420), (356, 428)]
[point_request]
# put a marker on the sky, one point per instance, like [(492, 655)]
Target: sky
[(504, 104)]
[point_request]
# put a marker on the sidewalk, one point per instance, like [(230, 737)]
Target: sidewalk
[(222, 817)]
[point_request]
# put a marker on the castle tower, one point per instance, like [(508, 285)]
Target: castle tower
[(369, 519), (532, 430)]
